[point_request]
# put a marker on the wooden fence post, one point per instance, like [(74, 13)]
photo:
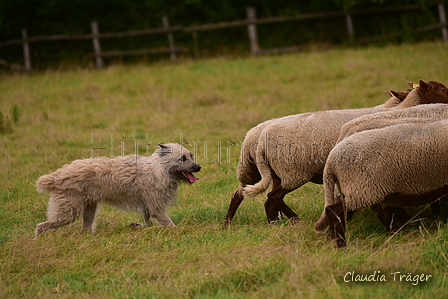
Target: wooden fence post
[(166, 25), (194, 34), (252, 30), (442, 18), (96, 44), (26, 50), (350, 29)]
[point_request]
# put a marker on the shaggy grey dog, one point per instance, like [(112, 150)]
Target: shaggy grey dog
[(144, 184)]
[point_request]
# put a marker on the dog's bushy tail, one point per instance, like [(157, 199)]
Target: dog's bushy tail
[(45, 184)]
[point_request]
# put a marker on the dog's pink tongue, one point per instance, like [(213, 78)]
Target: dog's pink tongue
[(191, 177)]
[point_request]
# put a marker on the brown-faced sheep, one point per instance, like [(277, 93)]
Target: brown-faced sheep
[(369, 168), (293, 151), (247, 171)]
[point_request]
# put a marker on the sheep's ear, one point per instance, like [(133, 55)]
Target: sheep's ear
[(411, 84), (388, 93), (423, 86), (399, 94), (162, 146)]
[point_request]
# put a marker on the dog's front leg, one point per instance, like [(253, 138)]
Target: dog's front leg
[(146, 216), (162, 217)]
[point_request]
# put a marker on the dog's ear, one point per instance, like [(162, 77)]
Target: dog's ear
[(165, 150)]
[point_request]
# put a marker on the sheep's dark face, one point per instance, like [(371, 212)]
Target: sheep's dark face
[(432, 92)]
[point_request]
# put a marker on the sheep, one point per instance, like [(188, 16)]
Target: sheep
[(418, 114), (375, 120), (385, 212), (247, 171), (369, 168), (293, 150)]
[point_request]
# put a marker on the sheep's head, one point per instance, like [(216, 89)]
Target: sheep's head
[(400, 94), (432, 92)]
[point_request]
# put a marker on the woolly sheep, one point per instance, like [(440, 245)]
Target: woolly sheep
[(385, 212), (367, 122), (369, 168), (293, 150), (247, 171), (381, 123)]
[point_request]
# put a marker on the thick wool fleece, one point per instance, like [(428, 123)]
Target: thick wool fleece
[(373, 121), (370, 168), (296, 148)]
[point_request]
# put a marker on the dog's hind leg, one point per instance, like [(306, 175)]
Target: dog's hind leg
[(60, 213), (88, 217)]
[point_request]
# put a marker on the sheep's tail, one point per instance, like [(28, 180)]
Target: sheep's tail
[(45, 184), (333, 194), (263, 184), (264, 169)]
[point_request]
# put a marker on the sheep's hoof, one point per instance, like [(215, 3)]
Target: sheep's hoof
[(274, 221), (134, 225), (226, 224), (340, 243), (294, 220)]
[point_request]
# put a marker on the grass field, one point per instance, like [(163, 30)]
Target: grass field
[(52, 118)]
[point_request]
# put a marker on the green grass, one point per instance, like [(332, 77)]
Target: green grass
[(53, 118)]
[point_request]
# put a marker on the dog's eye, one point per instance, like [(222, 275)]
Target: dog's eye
[(183, 159)]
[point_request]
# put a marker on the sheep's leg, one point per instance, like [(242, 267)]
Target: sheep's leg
[(235, 202), (272, 212), (435, 210), (336, 219), (438, 209), (276, 197), (88, 217), (391, 216), (442, 208), (385, 216), (251, 176)]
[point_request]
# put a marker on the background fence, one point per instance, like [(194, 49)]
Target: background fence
[(251, 22)]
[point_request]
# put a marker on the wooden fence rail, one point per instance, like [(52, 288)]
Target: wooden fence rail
[(251, 21)]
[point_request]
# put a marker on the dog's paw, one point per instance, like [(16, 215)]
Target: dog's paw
[(135, 225)]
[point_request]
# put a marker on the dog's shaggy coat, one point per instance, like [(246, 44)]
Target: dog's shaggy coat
[(144, 184)]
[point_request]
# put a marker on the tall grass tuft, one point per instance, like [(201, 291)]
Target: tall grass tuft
[(5, 125), (15, 113)]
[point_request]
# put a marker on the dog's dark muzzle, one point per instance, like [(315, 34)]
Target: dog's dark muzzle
[(196, 168)]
